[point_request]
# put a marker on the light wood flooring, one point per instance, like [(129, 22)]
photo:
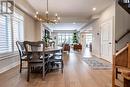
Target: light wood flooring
[(76, 74)]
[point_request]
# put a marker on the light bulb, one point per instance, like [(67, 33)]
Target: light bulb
[(46, 12), (37, 12), (35, 16), (94, 9), (58, 18), (56, 14)]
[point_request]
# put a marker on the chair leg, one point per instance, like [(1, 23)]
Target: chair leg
[(62, 66), (43, 73), (116, 73), (28, 73), (20, 66)]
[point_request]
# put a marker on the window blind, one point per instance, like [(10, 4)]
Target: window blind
[(11, 30), (17, 29), (5, 34)]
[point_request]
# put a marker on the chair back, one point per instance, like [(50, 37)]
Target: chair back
[(34, 50), (21, 48), (52, 43)]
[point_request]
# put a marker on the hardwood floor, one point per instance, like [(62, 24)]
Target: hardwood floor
[(76, 74)]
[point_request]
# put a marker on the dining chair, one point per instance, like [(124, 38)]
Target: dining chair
[(22, 54), (36, 56), (57, 61)]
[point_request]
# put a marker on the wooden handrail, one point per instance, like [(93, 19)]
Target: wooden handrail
[(122, 50), (121, 60), (128, 31)]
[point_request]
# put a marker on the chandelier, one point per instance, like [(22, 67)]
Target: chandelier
[(45, 18)]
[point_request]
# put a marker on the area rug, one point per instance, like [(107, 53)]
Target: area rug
[(97, 63)]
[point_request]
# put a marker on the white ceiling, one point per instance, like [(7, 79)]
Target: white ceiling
[(71, 10), (66, 26)]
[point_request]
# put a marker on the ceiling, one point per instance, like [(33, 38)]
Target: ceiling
[(65, 26), (70, 11)]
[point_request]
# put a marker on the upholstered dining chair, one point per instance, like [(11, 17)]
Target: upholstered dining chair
[(22, 54), (35, 56)]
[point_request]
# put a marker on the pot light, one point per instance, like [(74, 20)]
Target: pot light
[(94, 9)]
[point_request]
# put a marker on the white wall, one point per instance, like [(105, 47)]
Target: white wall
[(122, 20), (39, 30), (29, 28), (104, 16)]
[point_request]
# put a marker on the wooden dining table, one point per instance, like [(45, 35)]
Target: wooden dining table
[(48, 50), (53, 49)]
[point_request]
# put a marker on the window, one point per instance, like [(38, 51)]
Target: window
[(5, 34), (88, 38), (17, 29), (65, 37), (11, 30)]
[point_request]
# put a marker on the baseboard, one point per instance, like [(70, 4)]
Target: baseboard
[(9, 67)]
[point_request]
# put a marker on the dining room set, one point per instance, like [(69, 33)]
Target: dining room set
[(40, 58)]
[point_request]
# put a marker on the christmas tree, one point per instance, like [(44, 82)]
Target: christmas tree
[(75, 37)]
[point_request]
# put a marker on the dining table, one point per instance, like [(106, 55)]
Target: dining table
[(48, 50), (53, 49)]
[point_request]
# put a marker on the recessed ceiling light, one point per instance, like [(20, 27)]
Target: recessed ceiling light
[(94, 9)]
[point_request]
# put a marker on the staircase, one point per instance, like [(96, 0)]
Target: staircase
[(121, 67), (125, 4), (121, 60)]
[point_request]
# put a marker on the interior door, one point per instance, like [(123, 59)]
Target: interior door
[(106, 40)]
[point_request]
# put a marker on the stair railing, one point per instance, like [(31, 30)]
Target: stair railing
[(120, 60)]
